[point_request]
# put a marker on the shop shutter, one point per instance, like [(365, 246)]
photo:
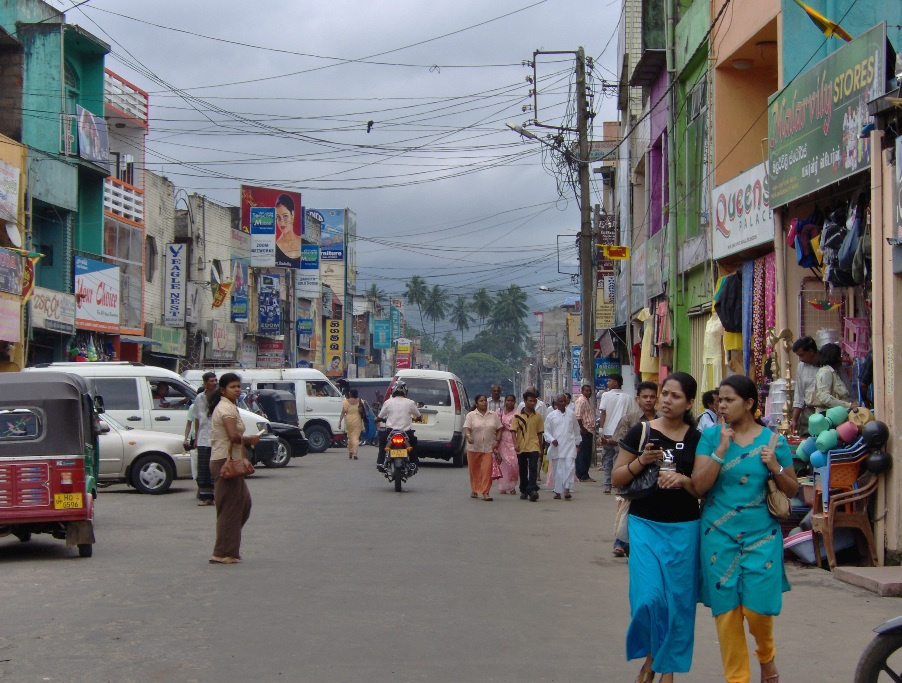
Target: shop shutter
[(697, 344)]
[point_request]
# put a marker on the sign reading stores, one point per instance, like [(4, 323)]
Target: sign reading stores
[(52, 310), (263, 237), (176, 264), (814, 122), (742, 214), (97, 295)]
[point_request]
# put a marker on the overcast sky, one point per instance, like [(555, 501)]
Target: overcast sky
[(441, 187)]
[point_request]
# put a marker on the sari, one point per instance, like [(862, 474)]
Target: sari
[(510, 468)]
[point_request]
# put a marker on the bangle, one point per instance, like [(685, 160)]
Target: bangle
[(780, 471), (716, 458)]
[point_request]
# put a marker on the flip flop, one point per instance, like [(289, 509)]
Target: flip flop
[(487, 498), (224, 560), (474, 495)]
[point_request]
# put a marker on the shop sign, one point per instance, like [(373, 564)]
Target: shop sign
[(270, 354), (604, 368), (10, 272), (248, 353), (304, 328), (604, 316), (192, 304), (575, 361), (9, 193), (382, 334), (223, 340), (268, 305), (171, 339), (306, 284), (335, 344), (332, 236), (263, 237), (97, 295), (53, 311), (814, 122), (10, 320), (176, 266), (742, 214), (239, 305)]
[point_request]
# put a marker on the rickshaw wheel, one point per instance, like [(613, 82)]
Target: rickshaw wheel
[(85, 549)]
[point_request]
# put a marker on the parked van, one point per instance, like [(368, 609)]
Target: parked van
[(443, 404), (319, 401), (143, 396)]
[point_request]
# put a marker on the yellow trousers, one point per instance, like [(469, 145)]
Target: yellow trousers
[(733, 649)]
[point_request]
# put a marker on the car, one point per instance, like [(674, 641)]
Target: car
[(145, 460)]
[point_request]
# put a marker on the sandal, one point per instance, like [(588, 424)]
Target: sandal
[(355, 457), (487, 498), (557, 496), (619, 552), (224, 560), (773, 678), (474, 495)]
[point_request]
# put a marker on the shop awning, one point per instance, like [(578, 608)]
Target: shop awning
[(147, 341)]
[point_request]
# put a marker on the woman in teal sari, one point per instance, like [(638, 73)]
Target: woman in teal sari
[(742, 577)]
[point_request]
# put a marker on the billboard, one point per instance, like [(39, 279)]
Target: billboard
[(263, 237), (175, 264), (273, 218), (313, 226), (306, 283), (93, 143), (239, 310), (52, 310), (332, 238), (382, 334), (268, 306), (334, 356), (813, 123), (97, 295)]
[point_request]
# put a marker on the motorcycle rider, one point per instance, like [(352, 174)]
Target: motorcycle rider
[(397, 413)]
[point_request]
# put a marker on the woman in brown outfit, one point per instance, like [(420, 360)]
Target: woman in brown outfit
[(231, 496)]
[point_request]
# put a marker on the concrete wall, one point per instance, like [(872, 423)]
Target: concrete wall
[(159, 219)]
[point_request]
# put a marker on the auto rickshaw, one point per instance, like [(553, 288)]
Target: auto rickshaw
[(49, 457)]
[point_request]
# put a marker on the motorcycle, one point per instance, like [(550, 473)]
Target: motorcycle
[(875, 659), (398, 466)]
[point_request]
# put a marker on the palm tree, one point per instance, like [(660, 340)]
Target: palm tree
[(509, 314), (436, 304), (376, 296), (482, 305), (460, 317), (416, 293)]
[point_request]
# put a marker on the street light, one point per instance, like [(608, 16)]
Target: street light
[(543, 288)]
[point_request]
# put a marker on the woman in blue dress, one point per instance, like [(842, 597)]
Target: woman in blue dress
[(742, 576), (663, 530)]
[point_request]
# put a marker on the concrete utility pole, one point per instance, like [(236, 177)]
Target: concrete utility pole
[(586, 240)]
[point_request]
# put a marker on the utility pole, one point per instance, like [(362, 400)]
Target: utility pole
[(586, 239)]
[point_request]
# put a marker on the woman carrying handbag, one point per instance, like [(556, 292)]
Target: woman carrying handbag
[(230, 493)]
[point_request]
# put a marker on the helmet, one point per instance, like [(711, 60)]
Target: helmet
[(399, 388)]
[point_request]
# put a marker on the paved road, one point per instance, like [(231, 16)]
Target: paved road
[(345, 580)]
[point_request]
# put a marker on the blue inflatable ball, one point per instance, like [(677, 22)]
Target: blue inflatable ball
[(818, 459), (817, 424)]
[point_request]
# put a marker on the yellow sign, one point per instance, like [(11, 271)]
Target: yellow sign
[(614, 252), (335, 344), (604, 316)]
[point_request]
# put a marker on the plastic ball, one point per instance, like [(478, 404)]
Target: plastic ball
[(817, 424), (827, 440), (848, 432), (818, 459), (837, 415), (808, 446), (875, 434), (878, 462)]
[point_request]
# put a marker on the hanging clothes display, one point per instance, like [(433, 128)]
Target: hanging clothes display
[(758, 322), (713, 355), (728, 305), (648, 364), (748, 269)]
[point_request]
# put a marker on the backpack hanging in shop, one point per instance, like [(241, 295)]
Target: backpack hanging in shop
[(807, 239)]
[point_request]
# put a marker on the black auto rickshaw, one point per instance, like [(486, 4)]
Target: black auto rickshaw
[(281, 409), (49, 457)]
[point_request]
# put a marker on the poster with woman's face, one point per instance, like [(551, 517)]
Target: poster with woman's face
[(288, 218)]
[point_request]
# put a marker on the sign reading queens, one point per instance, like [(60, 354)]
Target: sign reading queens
[(742, 214)]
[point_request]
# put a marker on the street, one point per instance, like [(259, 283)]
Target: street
[(344, 580)]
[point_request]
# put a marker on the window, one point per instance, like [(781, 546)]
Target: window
[(123, 245), (19, 424), (150, 258), (169, 395), (428, 392), (697, 165), (281, 386), (321, 388), (117, 393), (47, 258)]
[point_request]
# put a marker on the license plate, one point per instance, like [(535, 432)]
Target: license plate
[(398, 453), (67, 501)]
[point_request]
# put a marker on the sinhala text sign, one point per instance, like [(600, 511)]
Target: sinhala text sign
[(742, 214), (814, 122)]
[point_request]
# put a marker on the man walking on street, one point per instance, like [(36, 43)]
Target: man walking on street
[(202, 425), (562, 436), (528, 430), (585, 415), (614, 405), (496, 403), (541, 408)]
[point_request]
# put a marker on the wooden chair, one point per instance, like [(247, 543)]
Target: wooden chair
[(846, 509)]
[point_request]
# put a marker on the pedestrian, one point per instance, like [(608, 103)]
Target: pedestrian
[(482, 430), (709, 417), (562, 436), (202, 425), (232, 497), (805, 348), (829, 389), (496, 403), (663, 532), (643, 411), (354, 416), (585, 416), (742, 573), (529, 427), (614, 405), (541, 407), (507, 451)]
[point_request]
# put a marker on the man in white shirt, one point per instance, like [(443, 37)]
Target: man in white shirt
[(541, 407), (562, 435), (202, 425), (614, 405), (397, 413), (806, 349)]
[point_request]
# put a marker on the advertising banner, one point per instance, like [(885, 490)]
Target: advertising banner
[(192, 305), (222, 291), (175, 265), (332, 239), (742, 213), (263, 237), (239, 290), (575, 357), (335, 340), (51, 310), (382, 334), (313, 226), (172, 340), (10, 321), (396, 318), (248, 355), (93, 143), (269, 320), (281, 213), (28, 276), (9, 193), (304, 329), (223, 340), (604, 368), (654, 265), (270, 353), (402, 354), (10, 272), (97, 295), (814, 122), (306, 284)]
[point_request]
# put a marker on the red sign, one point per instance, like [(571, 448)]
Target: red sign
[(402, 361)]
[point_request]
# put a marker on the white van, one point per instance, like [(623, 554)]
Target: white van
[(143, 396), (444, 404), (319, 401)]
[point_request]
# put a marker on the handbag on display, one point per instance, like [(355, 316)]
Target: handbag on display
[(233, 469), (646, 481), (777, 501)]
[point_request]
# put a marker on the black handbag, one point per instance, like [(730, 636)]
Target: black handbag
[(644, 483)]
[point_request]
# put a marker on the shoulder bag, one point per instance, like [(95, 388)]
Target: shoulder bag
[(233, 469), (777, 501), (646, 481)]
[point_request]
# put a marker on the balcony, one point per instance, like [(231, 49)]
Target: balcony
[(124, 100), (123, 200)]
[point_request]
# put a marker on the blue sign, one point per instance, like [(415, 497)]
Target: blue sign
[(332, 237), (270, 311), (304, 330), (239, 309), (263, 237), (382, 334), (395, 323)]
